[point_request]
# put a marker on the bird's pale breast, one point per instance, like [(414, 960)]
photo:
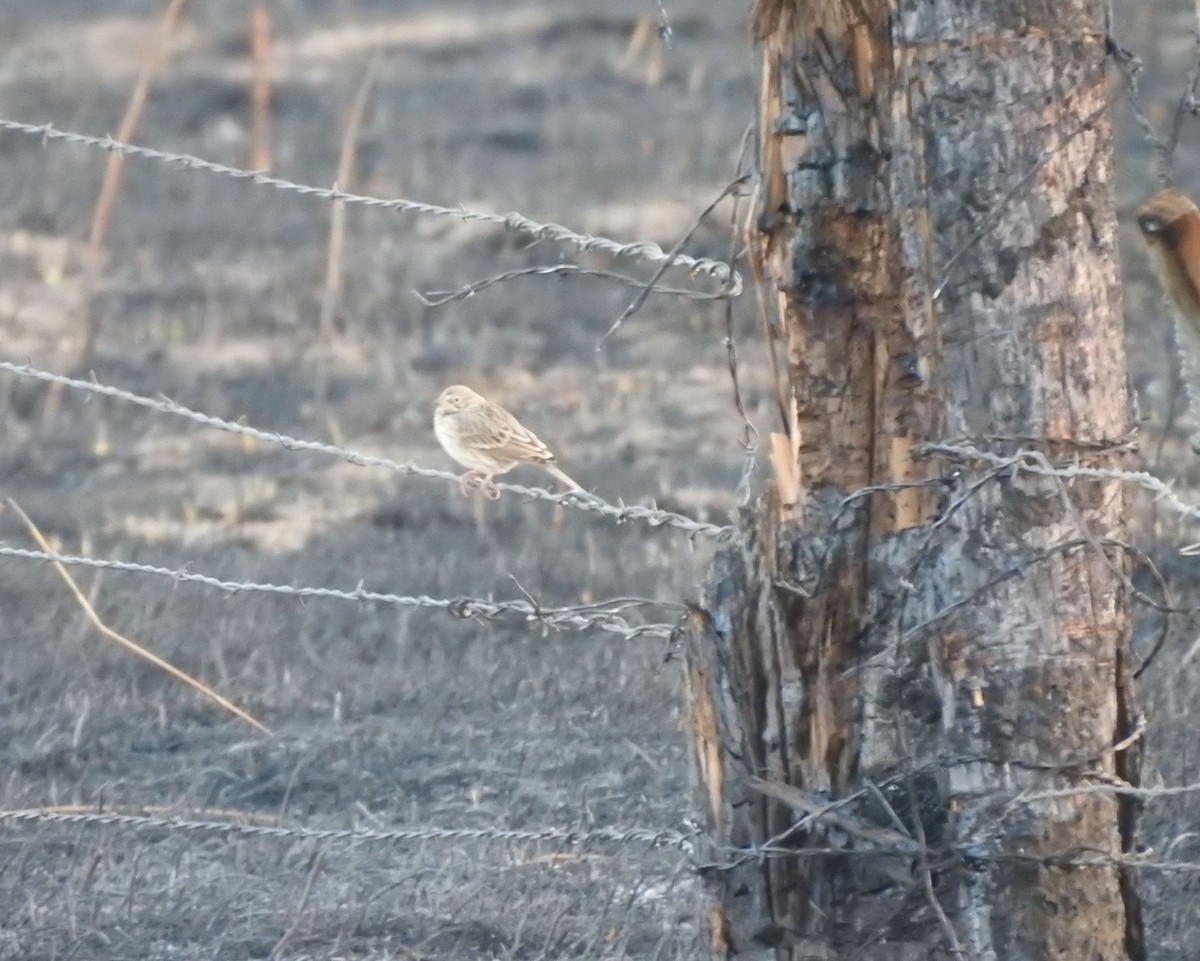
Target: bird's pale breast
[(454, 440)]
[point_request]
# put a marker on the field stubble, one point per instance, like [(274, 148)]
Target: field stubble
[(381, 717)]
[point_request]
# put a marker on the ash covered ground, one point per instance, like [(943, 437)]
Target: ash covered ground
[(385, 717)]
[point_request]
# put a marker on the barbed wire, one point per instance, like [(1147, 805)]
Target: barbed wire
[(580, 500), (516, 222), (1078, 858), (1034, 462), (575, 838), (692, 842), (439, 298), (867, 839), (603, 615), (1109, 790)]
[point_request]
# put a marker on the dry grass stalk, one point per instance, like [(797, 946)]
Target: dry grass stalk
[(260, 89), (125, 642), (111, 184), (298, 915), (335, 262)]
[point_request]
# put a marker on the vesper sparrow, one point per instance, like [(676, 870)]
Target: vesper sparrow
[(487, 440)]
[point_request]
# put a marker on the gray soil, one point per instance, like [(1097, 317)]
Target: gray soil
[(381, 716)]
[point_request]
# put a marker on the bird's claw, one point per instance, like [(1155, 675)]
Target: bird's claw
[(474, 480)]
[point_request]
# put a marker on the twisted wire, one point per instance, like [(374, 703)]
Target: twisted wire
[(618, 836), (602, 616), (580, 500), (514, 221), (1034, 462)]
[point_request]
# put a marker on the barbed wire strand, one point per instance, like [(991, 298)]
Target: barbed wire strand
[(1077, 858), (602, 616), (1028, 462), (1130, 65), (685, 841), (439, 298), (1108, 790), (580, 500), (619, 836), (732, 289), (516, 222)]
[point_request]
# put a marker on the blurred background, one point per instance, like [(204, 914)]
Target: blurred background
[(622, 119)]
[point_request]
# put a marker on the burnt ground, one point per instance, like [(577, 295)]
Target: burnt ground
[(382, 717), (386, 717)]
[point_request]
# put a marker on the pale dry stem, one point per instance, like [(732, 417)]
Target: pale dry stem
[(94, 618)]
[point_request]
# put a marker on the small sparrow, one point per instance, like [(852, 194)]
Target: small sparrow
[(1170, 225), (487, 440)]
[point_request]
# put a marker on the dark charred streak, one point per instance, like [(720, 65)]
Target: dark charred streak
[(819, 279), (777, 221), (835, 66), (1056, 232), (821, 289), (1128, 764), (821, 165), (908, 366)]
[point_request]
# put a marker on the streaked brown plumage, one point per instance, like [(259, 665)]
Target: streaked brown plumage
[(1170, 225), (487, 440)]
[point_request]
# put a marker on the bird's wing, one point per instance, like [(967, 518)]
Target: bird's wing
[(493, 429), (1185, 231)]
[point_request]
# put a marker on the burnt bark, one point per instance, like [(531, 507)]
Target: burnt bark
[(928, 637)]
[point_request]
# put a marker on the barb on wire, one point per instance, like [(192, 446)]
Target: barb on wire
[(734, 280), (516, 222), (439, 298), (664, 24), (580, 500), (617, 836), (603, 616)]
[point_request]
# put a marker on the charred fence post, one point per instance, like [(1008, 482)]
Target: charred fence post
[(916, 654)]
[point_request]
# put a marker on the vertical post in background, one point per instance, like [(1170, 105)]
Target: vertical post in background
[(260, 88)]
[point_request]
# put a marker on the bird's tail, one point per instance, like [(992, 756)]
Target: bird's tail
[(561, 476)]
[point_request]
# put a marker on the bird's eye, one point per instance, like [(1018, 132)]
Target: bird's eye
[(1151, 224)]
